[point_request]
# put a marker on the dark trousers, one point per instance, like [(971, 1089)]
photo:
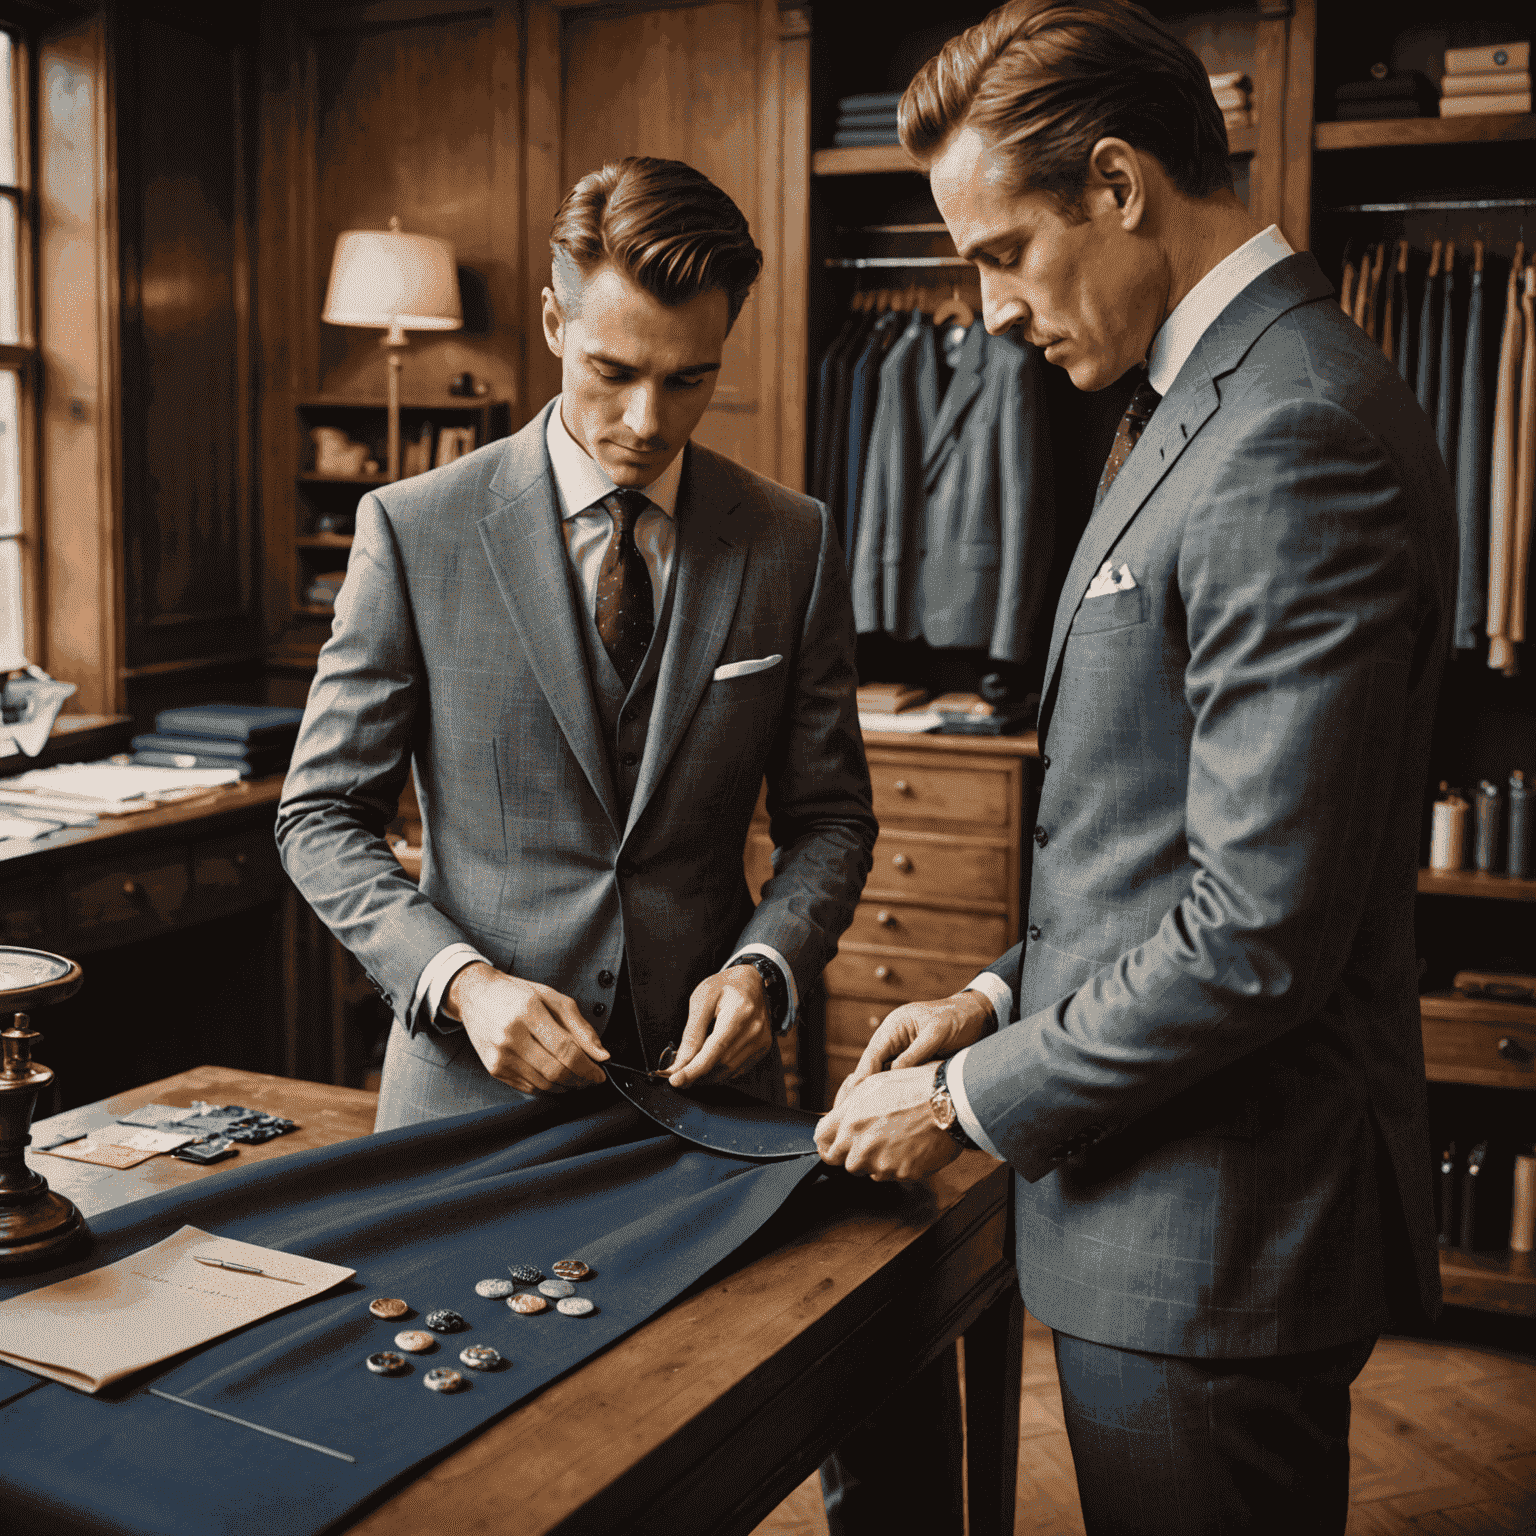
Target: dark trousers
[(901, 1470), (1166, 1446)]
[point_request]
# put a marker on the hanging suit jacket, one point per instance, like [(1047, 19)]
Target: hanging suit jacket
[(457, 650), (1213, 1089), (965, 562)]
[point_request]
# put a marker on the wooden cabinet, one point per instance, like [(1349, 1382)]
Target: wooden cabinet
[(945, 895)]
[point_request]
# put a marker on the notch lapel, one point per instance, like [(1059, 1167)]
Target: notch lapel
[(526, 551), (964, 387), (711, 557)]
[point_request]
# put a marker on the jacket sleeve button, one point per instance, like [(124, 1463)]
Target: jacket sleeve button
[(1041, 837), (1034, 930)]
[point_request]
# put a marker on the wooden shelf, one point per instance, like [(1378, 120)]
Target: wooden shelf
[(1243, 141), (370, 403), (863, 160), (310, 478), (314, 610), (1472, 882), (1491, 1282), (1417, 131), (324, 541)]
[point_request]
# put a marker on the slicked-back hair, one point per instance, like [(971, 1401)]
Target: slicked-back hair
[(1044, 80), (663, 225)]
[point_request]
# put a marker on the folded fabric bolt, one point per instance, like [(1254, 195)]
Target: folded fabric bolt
[(888, 100), (858, 138)]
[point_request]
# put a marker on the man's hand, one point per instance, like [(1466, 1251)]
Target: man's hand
[(731, 1008), (919, 1032), (529, 1036), (884, 1128)]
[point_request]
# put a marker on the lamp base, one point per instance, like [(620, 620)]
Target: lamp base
[(41, 1233)]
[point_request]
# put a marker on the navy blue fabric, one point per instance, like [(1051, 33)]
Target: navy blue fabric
[(422, 1212)]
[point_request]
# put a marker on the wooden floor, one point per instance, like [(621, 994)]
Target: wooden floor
[(1443, 1443)]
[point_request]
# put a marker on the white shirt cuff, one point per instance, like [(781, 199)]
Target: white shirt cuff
[(783, 965), (997, 992), (954, 1078), (437, 973)]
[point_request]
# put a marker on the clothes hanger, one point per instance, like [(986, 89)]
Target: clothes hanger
[(955, 308)]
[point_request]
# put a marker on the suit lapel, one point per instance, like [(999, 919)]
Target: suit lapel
[(711, 556), (527, 555), (963, 389), (1191, 401)]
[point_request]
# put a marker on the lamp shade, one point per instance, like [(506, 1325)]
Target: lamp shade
[(389, 278)]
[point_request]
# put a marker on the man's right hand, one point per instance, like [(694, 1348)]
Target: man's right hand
[(529, 1036), (919, 1032)]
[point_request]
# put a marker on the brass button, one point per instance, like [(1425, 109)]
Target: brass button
[(571, 1269), (388, 1306), (414, 1342), (526, 1303)]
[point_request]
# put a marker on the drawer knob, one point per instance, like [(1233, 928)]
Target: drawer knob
[(130, 887), (902, 787), (882, 973), (240, 859), (902, 862), (884, 918), (1513, 1050), (874, 1022)]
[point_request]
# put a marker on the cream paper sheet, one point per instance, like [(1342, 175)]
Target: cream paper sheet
[(99, 1327)]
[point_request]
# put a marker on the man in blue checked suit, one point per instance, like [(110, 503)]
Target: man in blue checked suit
[(1204, 1062), (592, 642)]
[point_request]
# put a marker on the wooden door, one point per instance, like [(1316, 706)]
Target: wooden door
[(722, 86)]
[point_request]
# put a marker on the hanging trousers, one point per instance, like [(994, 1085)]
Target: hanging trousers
[(1472, 479), (1446, 395), (1429, 344)]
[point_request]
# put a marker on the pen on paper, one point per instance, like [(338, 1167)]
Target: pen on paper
[(244, 1269)]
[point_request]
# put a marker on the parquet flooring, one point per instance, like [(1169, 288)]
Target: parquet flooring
[(1442, 1442)]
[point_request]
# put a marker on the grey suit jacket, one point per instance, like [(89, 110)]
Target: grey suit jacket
[(1214, 1092), (456, 648)]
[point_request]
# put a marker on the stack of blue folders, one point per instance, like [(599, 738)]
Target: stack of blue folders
[(255, 738), (867, 119)]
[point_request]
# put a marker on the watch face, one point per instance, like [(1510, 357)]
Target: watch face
[(943, 1110)]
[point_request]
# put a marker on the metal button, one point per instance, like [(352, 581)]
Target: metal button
[(525, 1274), (902, 862), (558, 1288), (526, 1303), (1045, 762), (494, 1289), (388, 1306), (629, 760), (571, 1269), (599, 1009), (1034, 930), (605, 978), (445, 1320), (575, 1306), (443, 1380), (480, 1357), (1042, 837), (885, 919), (386, 1363), (414, 1342)]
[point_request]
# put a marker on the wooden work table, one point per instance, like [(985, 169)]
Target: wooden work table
[(703, 1420)]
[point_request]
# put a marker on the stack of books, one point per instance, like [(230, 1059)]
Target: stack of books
[(889, 698), (869, 119), (1479, 80), (254, 739), (1231, 92)]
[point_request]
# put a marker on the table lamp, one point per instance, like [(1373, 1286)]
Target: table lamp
[(400, 282), (37, 1225)]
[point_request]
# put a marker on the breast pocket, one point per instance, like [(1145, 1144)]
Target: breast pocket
[(1115, 611)]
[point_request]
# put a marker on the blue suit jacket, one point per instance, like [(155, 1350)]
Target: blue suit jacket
[(1214, 1092)]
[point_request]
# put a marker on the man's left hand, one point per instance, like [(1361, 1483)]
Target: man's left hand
[(884, 1129), (728, 1029)]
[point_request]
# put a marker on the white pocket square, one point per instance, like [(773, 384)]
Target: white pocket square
[(1110, 579), (745, 668)]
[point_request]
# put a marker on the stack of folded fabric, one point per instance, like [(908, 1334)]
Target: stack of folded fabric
[(255, 738), (321, 592), (1479, 80), (1231, 93), (867, 119), (1406, 93)]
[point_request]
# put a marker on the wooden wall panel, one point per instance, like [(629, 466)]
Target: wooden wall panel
[(189, 533)]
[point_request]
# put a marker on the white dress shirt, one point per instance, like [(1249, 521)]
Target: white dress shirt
[(580, 486), (1176, 338)]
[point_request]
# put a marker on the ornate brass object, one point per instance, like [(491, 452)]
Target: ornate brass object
[(37, 1226)]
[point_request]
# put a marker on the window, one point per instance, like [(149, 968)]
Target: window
[(18, 373)]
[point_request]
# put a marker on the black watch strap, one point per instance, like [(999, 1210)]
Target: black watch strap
[(773, 983), (958, 1131)]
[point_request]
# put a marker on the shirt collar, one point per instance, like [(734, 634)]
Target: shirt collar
[(1194, 314), (580, 480)]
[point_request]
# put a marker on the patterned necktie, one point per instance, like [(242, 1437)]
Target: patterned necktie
[(1137, 414), (626, 613)]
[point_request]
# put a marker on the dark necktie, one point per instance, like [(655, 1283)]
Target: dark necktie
[(1137, 414), (626, 613)]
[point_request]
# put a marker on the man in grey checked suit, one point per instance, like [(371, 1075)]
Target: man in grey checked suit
[(1204, 1062), (592, 641)]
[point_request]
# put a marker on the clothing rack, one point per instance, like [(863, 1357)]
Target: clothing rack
[(860, 263), (893, 229), (1447, 205)]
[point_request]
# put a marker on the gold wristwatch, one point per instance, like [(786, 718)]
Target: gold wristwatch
[(942, 1106)]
